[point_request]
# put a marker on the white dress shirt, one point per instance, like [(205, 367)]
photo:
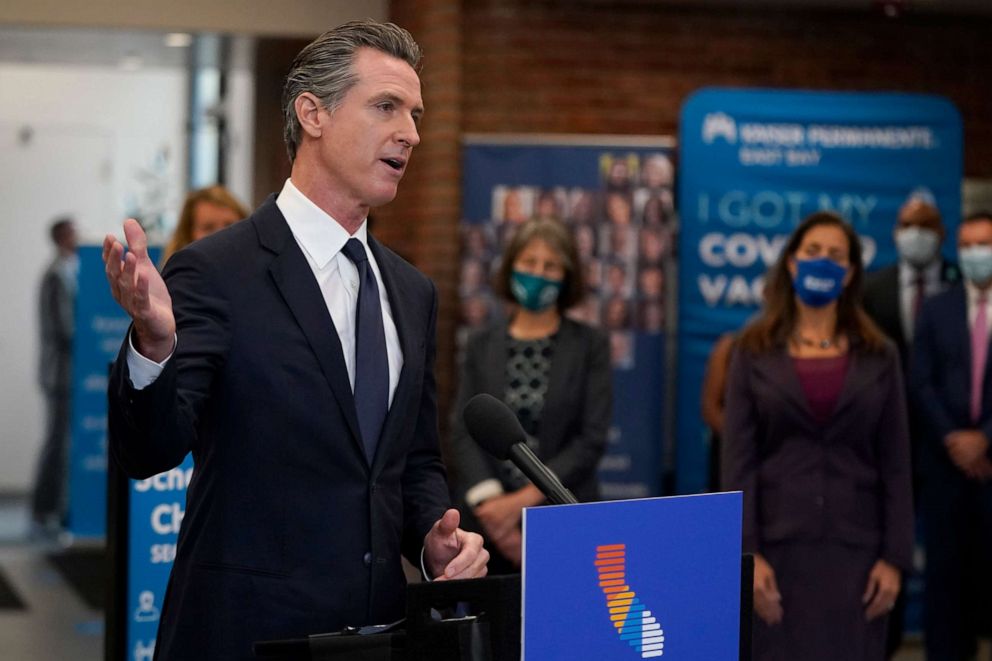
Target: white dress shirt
[(321, 238)]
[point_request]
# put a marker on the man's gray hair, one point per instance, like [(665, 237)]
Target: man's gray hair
[(325, 67)]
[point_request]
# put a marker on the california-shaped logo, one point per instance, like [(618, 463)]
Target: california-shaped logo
[(719, 125), (633, 622)]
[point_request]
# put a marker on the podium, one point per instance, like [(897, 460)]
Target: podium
[(472, 620), (684, 593)]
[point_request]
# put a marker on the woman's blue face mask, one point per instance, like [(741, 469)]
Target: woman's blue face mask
[(819, 281)]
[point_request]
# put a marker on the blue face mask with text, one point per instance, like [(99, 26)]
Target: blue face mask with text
[(534, 292), (818, 282)]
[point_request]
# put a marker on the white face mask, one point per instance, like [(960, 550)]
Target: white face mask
[(976, 264), (917, 246)]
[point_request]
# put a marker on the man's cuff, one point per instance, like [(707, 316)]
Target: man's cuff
[(143, 371), (423, 567), (483, 491)]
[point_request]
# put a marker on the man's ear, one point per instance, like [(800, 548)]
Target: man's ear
[(308, 112)]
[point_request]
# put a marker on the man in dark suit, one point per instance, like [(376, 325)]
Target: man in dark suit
[(293, 355), (893, 297), (56, 304), (950, 385)]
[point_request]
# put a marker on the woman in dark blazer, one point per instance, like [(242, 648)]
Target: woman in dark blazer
[(816, 438), (553, 372)]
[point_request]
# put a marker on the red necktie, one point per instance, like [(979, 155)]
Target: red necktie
[(979, 353), (919, 293)]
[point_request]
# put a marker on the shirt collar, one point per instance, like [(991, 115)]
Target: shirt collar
[(318, 233), (974, 292), (930, 273)]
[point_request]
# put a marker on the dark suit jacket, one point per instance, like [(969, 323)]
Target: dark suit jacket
[(882, 301), (577, 409), (287, 531), (847, 481), (940, 381)]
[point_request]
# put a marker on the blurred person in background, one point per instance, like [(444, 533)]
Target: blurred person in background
[(657, 172), (714, 398), (894, 295), (949, 384), (204, 212), (553, 373), (893, 299), (815, 436), (56, 308)]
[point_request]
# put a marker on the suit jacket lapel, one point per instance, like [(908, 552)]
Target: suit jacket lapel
[(496, 361), (561, 364), (412, 348), (294, 279), (778, 369), (892, 307), (862, 371)]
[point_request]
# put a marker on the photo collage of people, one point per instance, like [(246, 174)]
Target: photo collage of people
[(624, 231)]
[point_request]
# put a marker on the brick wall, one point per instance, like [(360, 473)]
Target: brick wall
[(593, 66), (625, 67)]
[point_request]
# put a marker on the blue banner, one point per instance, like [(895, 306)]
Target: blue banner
[(100, 328), (616, 196), (650, 578), (156, 507), (753, 164)]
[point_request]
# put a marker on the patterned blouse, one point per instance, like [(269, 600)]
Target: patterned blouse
[(528, 368)]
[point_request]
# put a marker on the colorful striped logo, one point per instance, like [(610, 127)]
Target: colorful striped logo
[(632, 620)]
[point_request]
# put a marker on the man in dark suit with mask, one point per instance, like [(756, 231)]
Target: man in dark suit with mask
[(893, 297), (293, 355), (951, 385)]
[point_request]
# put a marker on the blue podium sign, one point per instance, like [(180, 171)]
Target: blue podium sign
[(634, 579)]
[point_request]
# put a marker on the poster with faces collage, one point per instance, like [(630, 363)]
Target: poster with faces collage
[(624, 231)]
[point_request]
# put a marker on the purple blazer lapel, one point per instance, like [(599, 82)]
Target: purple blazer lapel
[(777, 368)]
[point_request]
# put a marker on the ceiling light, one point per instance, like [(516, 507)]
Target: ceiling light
[(178, 40)]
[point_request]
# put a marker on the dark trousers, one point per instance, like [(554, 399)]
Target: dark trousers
[(958, 537), (49, 499)]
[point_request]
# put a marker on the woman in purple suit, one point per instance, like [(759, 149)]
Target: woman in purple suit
[(816, 438)]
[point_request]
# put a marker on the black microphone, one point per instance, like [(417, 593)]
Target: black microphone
[(493, 426)]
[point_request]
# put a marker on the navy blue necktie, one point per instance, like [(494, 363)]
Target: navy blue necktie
[(371, 364)]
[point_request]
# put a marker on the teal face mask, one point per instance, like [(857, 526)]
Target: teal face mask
[(534, 292)]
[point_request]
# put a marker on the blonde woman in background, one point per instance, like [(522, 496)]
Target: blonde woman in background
[(205, 211)]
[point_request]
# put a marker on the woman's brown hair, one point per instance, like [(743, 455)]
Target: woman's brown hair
[(182, 236), (559, 237), (777, 321)]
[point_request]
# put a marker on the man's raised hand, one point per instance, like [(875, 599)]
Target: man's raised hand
[(138, 288)]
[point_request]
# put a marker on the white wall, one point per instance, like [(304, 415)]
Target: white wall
[(240, 114), (99, 142), (260, 17)]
